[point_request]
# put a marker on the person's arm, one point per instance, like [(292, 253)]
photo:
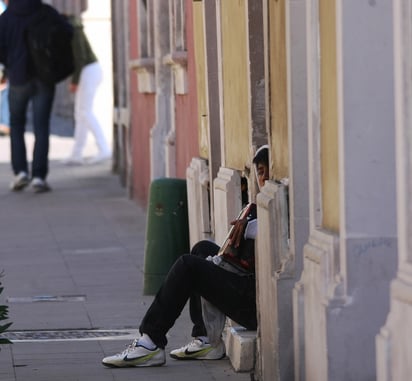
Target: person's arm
[(82, 51), (251, 229), (3, 46), (77, 53)]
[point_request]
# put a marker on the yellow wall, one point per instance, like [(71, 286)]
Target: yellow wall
[(278, 89), (200, 58), (329, 115), (236, 117)]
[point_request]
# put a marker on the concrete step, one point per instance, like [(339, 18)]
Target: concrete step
[(241, 348)]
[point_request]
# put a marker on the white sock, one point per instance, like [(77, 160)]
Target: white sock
[(147, 342), (204, 339)]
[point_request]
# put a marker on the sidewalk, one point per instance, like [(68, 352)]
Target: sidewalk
[(73, 279)]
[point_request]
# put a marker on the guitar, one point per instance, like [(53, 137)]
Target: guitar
[(227, 249)]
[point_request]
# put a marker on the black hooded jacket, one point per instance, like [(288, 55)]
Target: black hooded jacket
[(13, 50)]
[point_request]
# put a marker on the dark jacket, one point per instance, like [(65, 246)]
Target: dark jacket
[(13, 49), (82, 50)]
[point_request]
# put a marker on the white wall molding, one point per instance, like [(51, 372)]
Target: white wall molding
[(197, 177)]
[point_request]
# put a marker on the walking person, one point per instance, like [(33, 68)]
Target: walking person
[(26, 87), (85, 81), (226, 282)]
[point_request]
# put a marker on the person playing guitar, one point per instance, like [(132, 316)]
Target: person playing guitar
[(197, 277)]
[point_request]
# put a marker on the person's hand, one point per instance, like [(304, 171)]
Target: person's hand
[(73, 87), (237, 231)]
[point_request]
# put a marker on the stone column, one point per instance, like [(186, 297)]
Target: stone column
[(394, 344), (298, 189), (345, 282), (198, 184), (228, 201)]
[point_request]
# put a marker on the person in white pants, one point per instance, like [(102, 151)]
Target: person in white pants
[(84, 83)]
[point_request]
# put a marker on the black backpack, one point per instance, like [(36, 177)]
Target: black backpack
[(49, 36)]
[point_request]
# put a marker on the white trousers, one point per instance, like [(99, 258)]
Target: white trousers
[(85, 120)]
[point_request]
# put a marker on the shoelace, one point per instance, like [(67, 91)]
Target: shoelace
[(129, 347), (194, 342)]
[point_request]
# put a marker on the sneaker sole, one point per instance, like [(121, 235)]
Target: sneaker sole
[(19, 186), (146, 365), (189, 358), (132, 366), (41, 190)]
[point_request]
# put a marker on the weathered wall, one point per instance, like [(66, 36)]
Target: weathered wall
[(141, 119), (187, 122), (235, 83)]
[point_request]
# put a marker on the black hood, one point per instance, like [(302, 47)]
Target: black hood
[(23, 7)]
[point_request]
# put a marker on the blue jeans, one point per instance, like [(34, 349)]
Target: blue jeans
[(4, 107), (191, 277), (41, 96)]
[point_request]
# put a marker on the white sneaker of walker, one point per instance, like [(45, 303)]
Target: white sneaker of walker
[(99, 158)]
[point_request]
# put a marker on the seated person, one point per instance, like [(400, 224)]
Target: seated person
[(194, 277)]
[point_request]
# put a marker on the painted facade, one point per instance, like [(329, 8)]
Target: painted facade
[(163, 88), (326, 83), (393, 348), (349, 259)]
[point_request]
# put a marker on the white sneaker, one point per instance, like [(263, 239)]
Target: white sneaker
[(20, 181), (99, 158), (39, 185), (73, 161), (198, 350), (136, 355)]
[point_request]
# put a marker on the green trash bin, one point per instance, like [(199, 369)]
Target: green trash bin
[(167, 233)]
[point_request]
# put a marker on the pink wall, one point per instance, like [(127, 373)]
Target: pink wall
[(142, 117), (187, 142)]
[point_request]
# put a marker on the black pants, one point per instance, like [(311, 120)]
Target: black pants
[(192, 276)]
